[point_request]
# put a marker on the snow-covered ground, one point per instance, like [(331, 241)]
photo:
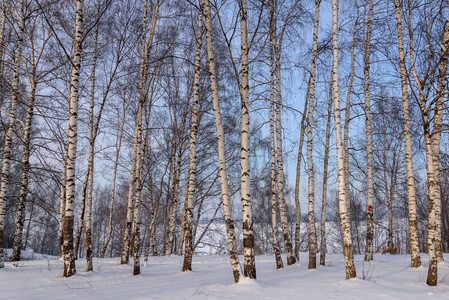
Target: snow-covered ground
[(389, 277)]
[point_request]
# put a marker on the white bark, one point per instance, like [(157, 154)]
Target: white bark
[(414, 249), (311, 185), (221, 150), (369, 140), (187, 264), (347, 240), (69, 257), (9, 133)]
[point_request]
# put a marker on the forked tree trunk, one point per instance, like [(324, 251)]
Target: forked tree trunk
[(326, 163), (276, 248), (346, 230), (12, 123), (190, 193), (69, 257), (369, 141), (221, 150), (145, 52), (413, 224), (311, 185), (245, 186)]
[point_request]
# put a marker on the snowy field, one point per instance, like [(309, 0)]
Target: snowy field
[(389, 277)]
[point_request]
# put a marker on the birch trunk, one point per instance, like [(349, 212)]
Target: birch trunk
[(2, 49), (347, 239), (298, 175), (414, 249), (145, 52), (276, 248), (62, 203), (432, 275), (9, 133), (25, 168), (436, 135), (245, 186), (221, 150), (90, 166), (369, 141), (188, 252), (348, 112), (69, 257), (325, 176), (311, 186)]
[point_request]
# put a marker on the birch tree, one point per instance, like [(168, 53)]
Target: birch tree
[(221, 149), (69, 257), (187, 264), (369, 139), (311, 186), (12, 123), (347, 239), (414, 249)]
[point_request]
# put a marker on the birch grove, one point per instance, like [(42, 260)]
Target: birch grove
[(131, 130)]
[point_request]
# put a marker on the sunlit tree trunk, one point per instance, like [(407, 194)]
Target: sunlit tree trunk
[(369, 140), (325, 176), (248, 237), (346, 230), (188, 252), (311, 186), (221, 150), (276, 248), (69, 257)]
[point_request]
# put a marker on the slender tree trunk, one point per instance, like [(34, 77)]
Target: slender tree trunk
[(345, 222), (325, 176), (413, 224), (190, 193), (311, 210), (221, 150), (62, 203), (79, 232), (248, 237), (276, 248), (117, 154), (369, 141), (2, 49), (436, 135), (348, 113), (25, 169), (298, 175), (69, 257), (9, 133)]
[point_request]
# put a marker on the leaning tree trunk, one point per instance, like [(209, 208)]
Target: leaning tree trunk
[(69, 257), (325, 176), (369, 141), (276, 248), (62, 203), (188, 252), (347, 239), (221, 150), (436, 135), (311, 186), (414, 248), (245, 186), (12, 123)]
